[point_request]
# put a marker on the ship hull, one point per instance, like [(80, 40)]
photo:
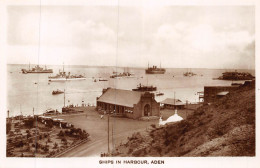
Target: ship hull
[(154, 72), (145, 89), (65, 79), (45, 71)]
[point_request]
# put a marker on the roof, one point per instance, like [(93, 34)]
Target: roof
[(171, 119), (120, 97), (222, 93), (171, 102)]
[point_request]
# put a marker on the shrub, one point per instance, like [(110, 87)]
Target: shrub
[(153, 125), (55, 145), (46, 148), (158, 149), (130, 150), (28, 135), (61, 134), (19, 144), (64, 140), (138, 152), (8, 127)]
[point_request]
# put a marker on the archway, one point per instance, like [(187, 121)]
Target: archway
[(147, 110)]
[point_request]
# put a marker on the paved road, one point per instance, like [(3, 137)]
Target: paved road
[(97, 146)]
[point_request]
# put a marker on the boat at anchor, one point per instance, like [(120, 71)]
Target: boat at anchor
[(142, 88), (62, 76), (36, 69), (57, 92)]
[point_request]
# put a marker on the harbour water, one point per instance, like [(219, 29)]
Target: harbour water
[(28, 91)]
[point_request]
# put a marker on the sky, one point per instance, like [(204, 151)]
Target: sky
[(133, 36)]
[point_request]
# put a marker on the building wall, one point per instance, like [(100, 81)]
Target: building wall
[(210, 92), (170, 106), (137, 110), (154, 106)]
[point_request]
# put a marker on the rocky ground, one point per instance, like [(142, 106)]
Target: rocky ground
[(224, 128)]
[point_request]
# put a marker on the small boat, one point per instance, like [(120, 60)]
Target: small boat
[(95, 80), (35, 83), (57, 92), (49, 111), (103, 79), (159, 94), (142, 88)]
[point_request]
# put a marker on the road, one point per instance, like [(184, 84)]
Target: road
[(98, 146)]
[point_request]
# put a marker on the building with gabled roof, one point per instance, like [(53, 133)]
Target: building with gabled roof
[(128, 103), (213, 93), (172, 103)]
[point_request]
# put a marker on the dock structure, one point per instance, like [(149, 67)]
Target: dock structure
[(127, 103)]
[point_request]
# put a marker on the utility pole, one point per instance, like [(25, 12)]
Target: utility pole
[(20, 113), (112, 136), (174, 102), (64, 98), (186, 108), (8, 116), (108, 132)]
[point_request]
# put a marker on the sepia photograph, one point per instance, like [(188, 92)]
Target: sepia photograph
[(128, 83)]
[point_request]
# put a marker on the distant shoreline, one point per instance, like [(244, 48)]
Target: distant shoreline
[(92, 66)]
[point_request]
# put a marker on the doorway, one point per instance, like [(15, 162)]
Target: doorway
[(147, 110)]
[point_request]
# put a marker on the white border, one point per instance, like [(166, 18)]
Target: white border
[(225, 162)]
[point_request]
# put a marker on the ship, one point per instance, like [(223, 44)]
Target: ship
[(102, 79), (154, 70), (159, 94), (142, 88), (57, 92), (37, 69), (189, 74), (122, 75), (236, 76), (62, 76), (126, 74)]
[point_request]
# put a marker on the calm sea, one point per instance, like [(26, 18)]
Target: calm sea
[(23, 94)]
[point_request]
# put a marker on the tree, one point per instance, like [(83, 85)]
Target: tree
[(64, 141), (55, 145)]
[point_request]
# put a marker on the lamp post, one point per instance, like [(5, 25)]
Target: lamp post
[(108, 149)]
